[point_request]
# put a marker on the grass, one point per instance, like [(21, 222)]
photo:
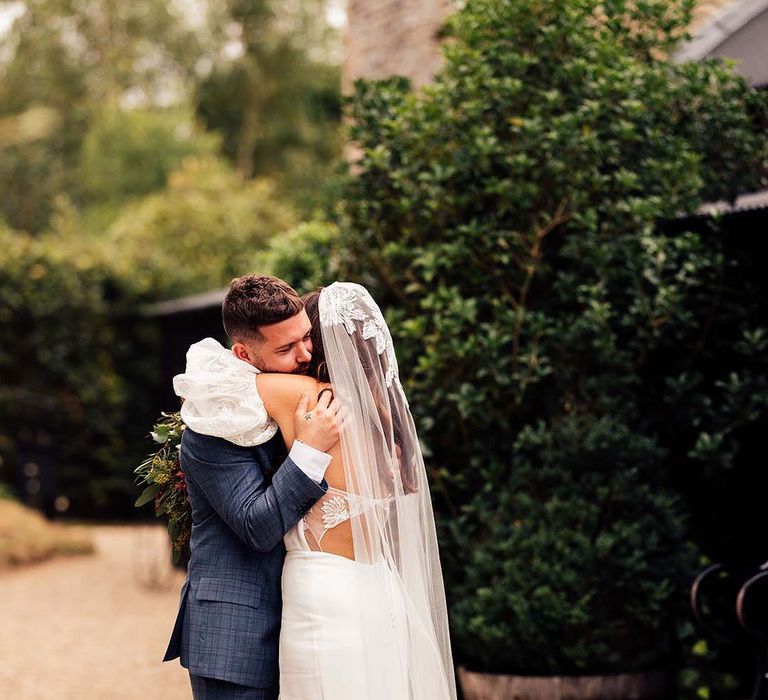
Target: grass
[(27, 537)]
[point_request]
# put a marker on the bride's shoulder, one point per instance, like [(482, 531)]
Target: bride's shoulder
[(281, 392), (286, 386)]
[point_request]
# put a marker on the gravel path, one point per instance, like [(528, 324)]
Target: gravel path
[(93, 627)]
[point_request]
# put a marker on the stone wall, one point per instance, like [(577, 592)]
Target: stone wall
[(393, 37), (399, 37), (705, 10)]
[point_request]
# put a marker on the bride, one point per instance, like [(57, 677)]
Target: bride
[(364, 613)]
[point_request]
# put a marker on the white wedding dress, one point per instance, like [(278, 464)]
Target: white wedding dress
[(336, 613), (349, 631)]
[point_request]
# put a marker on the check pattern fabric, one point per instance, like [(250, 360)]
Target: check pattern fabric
[(228, 624), (214, 689)]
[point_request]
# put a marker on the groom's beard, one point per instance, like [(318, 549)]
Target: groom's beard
[(258, 363)]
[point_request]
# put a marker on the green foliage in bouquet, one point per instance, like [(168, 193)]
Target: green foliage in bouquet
[(568, 363), (164, 483)]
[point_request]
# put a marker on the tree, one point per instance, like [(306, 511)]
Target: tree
[(75, 74), (126, 154), (198, 233), (278, 104), (507, 218), (76, 59)]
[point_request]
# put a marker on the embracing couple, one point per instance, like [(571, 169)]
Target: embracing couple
[(312, 575)]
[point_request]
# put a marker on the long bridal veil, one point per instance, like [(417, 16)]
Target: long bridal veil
[(393, 525)]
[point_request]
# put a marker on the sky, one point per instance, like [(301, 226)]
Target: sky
[(336, 12), (8, 13), (194, 13)]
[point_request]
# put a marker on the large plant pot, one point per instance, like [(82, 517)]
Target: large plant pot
[(622, 686)]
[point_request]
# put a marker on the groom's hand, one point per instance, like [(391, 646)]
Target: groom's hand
[(319, 427)]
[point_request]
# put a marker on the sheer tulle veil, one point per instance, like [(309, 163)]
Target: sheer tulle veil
[(387, 483)]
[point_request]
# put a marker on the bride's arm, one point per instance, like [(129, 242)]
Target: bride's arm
[(282, 393)]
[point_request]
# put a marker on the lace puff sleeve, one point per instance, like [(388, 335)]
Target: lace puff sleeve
[(220, 396)]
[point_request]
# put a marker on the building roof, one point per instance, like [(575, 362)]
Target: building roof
[(746, 202), (194, 302), (733, 29), (706, 10)]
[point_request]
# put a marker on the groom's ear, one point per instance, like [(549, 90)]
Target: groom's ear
[(241, 353)]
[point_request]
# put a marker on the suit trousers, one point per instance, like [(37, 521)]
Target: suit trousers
[(215, 689)]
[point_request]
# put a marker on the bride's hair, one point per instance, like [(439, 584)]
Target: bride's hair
[(318, 368)]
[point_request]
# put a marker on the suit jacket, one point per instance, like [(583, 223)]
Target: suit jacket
[(228, 623)]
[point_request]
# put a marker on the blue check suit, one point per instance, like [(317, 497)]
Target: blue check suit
[(228, 623)]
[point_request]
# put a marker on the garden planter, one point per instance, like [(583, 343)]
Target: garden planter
[(623, 686)]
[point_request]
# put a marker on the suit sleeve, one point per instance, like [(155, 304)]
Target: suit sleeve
[(232, 482)]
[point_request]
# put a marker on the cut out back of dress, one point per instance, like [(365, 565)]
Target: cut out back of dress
[(331, 510)]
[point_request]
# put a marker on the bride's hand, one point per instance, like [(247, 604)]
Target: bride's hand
[(319, 427)]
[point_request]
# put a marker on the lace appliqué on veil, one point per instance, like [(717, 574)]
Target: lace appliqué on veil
[(345, 303)]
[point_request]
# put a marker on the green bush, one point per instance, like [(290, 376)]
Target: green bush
[(75, 361), (579, 542), (80, 358), (556, 342), (197, 234), (131, 153), (305, 257)]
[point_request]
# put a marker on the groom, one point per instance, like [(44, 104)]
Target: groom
[(228, 625)]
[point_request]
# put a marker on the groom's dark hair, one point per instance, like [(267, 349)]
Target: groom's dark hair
[(254, 301)]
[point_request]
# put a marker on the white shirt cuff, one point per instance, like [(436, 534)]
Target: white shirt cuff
[(311, 461)]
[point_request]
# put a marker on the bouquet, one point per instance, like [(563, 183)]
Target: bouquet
[(165, 484)]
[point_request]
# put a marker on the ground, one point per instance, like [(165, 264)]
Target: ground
[(93, 627)]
